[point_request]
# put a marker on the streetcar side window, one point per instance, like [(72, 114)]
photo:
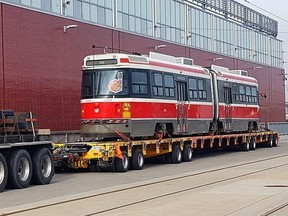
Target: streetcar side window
[(157, 84), (248, 94), (169, 86), (254, 95), (193, 89), (235, 92), (242, 93), (139, 82), (202, 89)]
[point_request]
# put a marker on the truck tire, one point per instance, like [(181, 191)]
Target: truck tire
[(19, 169), (167, 158), (245, 145), (176, 155), (252, 143), (3, 172), (275, 141), (137, 160), (122, 165), (43, 166), (187, 153), (269, 142)]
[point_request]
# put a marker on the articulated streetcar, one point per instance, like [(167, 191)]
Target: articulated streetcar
[(160, 95)]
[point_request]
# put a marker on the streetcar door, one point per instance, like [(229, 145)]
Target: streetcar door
[(228, 108), (181, 88)]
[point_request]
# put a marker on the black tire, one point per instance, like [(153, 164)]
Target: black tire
[(252, 143), (176, 155), (275, 141), (137, 159), (245, 146), (122, 165), (187, 153), (269, 142), (43, 166), (167, 158), (93, 166), (19, 169), (3, 172)]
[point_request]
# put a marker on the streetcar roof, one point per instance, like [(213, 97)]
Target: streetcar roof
[(161, 61)]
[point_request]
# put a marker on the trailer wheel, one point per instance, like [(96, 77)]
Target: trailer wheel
[(93, 166), (246, 145), (187, 153), (19, 169), (43, 166), (252, 144), (122, 165), (3, 172), (137, 160), (176, 155), (167, 158), (269, 143), (275, 141)]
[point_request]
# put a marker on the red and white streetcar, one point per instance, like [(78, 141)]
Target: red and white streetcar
[(144, 96)]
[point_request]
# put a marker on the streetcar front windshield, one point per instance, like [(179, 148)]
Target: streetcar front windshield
[(104, 83)]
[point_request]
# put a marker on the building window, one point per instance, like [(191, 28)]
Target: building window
[(135, 16), (170, 20)]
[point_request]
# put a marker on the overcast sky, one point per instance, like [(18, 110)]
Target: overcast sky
[(278, 8)]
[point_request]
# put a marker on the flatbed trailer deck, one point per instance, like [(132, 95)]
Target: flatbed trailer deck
[(121, 155), (25, 151)]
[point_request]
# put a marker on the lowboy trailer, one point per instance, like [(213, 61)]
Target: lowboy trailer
[(121, 155)]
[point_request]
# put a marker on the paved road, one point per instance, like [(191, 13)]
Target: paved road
[(73, 184)]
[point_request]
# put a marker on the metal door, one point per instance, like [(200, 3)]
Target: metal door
[(228, 108), (181, 88)]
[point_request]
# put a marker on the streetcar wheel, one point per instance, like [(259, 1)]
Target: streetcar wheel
[(19, 169), (269, 143), (252, 144), (43, 166), (246, 145), (3, 172), (176, 155), (275, 141), (137, 160), (122, 165), (187, 153)]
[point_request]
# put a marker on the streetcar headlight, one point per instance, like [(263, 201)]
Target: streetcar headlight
[(96, 110)]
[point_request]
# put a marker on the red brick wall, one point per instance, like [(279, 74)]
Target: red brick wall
[(42, 65)]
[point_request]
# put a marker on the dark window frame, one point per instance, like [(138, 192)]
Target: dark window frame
[(202, 93), (157, 89), (193, 90), (169, 91), (139, 85)]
